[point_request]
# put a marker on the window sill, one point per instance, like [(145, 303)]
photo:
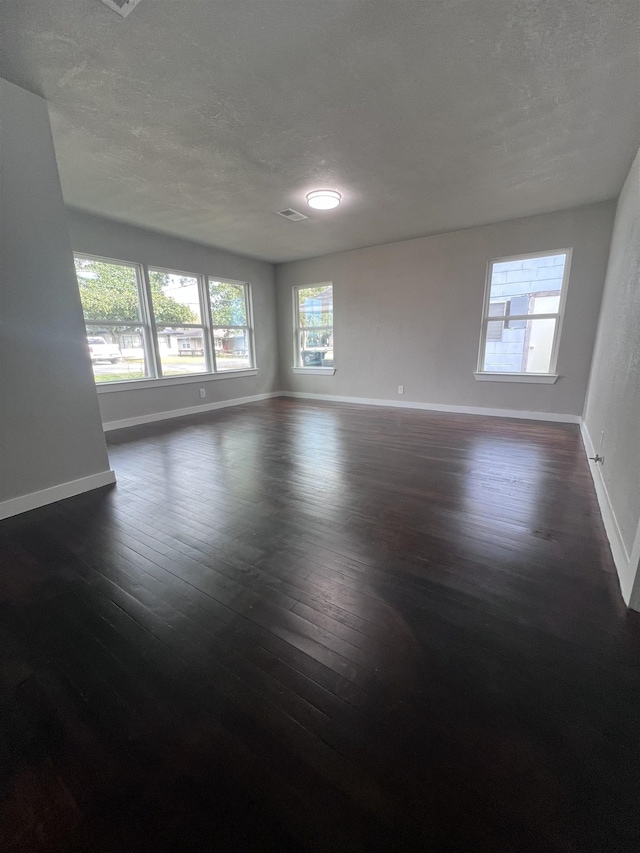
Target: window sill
[(531, 378), (192, 378), (323, 371)]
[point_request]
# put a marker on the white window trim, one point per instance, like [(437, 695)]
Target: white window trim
[(527, 378), (249, 329), (540, 378), (189, 378), (299, 368), (147, 325), (325, 371), (202, 326)]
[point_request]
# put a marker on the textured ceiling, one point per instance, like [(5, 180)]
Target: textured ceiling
[(200, 118)]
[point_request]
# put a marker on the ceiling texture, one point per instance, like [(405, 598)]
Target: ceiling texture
[(201, 118)]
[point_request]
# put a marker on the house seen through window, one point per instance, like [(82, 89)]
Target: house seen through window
[(523, 313)]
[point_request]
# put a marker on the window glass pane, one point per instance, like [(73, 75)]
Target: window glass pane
[(495, 328), (117, 353), (315, 306), (526, 278), (232, 349), (516, 305), (175, 298), (545, 304), (108, 291), (228, 303), (181, 351), (526, 349)]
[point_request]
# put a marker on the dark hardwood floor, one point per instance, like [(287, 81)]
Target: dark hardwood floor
[(325, 627)]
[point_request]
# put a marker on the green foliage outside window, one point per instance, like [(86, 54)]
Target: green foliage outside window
[(110, 292)]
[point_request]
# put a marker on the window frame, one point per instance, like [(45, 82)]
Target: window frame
[(297, 328), (141, 284), (517, 376), (147, 324), (249, 330), (202, 297)]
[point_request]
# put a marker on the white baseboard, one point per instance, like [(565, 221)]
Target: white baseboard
[(365, 401), (24, 503), (191, 410), (440, 407), (625, 566)]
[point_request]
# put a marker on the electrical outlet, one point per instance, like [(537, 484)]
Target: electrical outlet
[(400, 389), (203, 393)]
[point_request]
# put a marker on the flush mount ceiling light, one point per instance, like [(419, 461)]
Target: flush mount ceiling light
[(324, 199)]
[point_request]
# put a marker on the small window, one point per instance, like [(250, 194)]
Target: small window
[(527, 295), (231, 325), (314, 325)]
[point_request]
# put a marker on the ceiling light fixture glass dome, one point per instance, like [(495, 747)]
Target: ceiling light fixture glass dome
[(324, 199)]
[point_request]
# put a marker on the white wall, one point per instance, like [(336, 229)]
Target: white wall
[(50, 429), (409, 314), (613, 399), (96, 236)]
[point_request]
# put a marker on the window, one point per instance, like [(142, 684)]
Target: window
[(154, 324), (313, 308), (177, 313), (524, 304), (230, 322), (111, 298)]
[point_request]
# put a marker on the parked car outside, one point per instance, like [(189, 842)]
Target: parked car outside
[(317, 357), (100, 350)]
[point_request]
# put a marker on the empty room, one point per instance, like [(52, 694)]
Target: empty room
[(319, 425)]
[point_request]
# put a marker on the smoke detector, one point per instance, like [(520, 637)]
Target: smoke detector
[(122, 7), (291, 214)]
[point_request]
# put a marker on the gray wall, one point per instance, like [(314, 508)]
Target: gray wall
[(409, 313), (613, 400), (96, 236), (50, 429)]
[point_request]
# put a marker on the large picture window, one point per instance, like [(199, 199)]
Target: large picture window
[(313, 307), (524, 305), (156, 323)]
